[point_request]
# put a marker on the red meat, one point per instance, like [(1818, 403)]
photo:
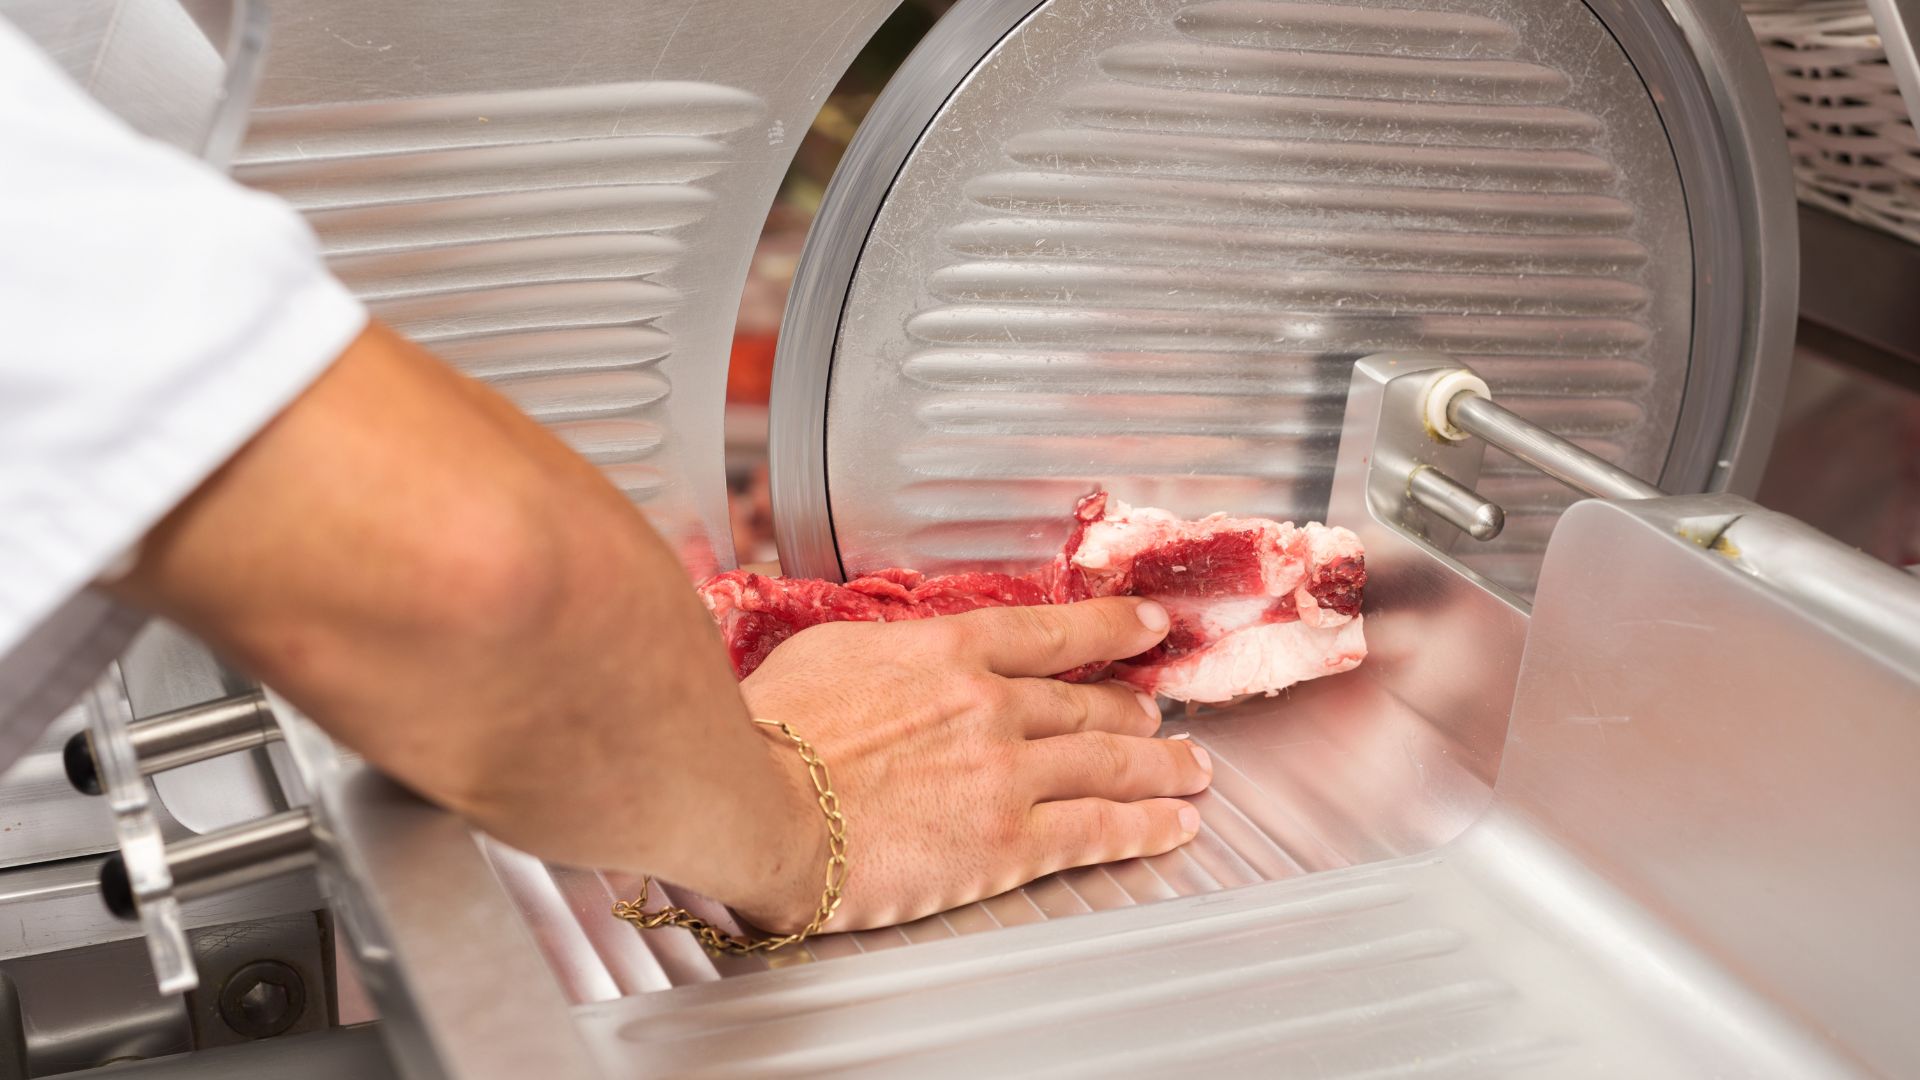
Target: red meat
[(1257, 605)]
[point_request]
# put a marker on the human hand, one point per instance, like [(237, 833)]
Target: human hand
[(964, 770)]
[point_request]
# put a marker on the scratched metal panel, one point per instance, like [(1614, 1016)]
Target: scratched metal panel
[(1142, 245)]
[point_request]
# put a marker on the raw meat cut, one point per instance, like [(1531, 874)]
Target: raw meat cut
[(1257, 605)]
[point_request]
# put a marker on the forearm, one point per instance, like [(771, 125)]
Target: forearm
[(462, 600)]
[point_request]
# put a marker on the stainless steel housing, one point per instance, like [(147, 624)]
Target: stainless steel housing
[(1596, 838), (1072, 247), (1654, 822)]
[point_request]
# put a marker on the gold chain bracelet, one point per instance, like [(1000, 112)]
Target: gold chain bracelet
[(717, 940)]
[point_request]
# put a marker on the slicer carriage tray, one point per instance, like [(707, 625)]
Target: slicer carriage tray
[(1330, 774)]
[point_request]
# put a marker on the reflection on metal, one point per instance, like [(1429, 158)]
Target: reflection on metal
[(797, 420), (1440, 637), (166, 669), (96, 1005), (91, 1007)]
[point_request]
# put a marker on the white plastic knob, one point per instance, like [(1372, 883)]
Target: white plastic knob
[(1442, 392)]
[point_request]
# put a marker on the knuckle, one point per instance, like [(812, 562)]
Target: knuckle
[(1125, 704), (1004, 760), (1075, 833), (1113, 756), (1106, 826), (988, 693), (945, 635), (1179, 760), (1008, 831), (1049, 633), (1076, 706), (1116, 618)]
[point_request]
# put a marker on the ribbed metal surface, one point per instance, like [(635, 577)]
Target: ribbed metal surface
[(1142, 251), (600, 958), (1405, 969), (532, 238), (1336, 774), (1302, 979)]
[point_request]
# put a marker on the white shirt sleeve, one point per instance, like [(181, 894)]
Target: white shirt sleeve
[(154, 315)]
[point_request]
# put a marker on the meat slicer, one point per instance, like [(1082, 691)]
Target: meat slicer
[(1506, 286)]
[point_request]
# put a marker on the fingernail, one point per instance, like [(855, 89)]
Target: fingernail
[(1153, 616), (1189, 819), (1148, 705), (1202, 758)]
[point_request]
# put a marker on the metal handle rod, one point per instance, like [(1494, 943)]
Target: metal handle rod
[(1545, 451), (217, 861), (184, 736), (180, 737), (1456, 503)]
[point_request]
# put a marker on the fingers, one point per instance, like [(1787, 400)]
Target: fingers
[(1038, 641), (1044, 708), (1082, 832), (1102, 765)]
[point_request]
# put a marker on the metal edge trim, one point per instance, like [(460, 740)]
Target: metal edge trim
[(1671, 69), (810, 330), (247, 40), (1752, 134), (421, 909)]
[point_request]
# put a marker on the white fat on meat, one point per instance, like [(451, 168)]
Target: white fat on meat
[(1265, 658), (1127, 532), (1247, 652)]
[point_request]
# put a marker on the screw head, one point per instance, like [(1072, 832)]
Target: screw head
[(263, 999)]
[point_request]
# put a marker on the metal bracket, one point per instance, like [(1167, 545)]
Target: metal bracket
[(1440, 637), (147, 879), (177, 738), (1409, 475)]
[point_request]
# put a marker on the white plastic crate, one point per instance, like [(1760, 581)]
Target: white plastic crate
[(1854, 147)]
